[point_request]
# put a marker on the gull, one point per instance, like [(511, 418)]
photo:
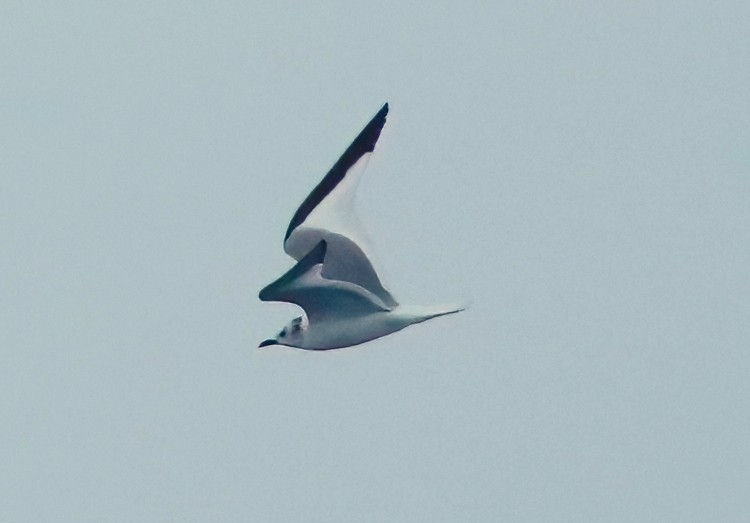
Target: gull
[(334, 280)]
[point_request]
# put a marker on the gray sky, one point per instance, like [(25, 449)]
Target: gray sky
[(579, 173)]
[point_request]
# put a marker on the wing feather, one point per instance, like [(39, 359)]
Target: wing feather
[(328, 214), (321, 299), (363, 144)]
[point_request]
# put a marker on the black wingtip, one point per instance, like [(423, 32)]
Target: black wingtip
[(364, 143), (368, 137)]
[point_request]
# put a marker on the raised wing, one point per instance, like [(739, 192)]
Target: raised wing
[(321, 298), (328, 214)]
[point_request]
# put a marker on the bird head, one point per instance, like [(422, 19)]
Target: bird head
[(291, 335)]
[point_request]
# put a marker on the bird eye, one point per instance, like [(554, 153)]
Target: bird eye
[(282, 334)]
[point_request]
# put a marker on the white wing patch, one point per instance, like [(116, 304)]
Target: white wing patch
[(328, 214)]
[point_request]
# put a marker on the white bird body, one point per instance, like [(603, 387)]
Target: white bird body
[(334, 281), (336, 334)]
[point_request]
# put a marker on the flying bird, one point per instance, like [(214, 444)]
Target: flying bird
[(334, 281)]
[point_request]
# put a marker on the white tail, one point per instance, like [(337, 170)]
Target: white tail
[(420, 314)]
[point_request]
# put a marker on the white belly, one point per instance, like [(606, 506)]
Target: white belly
[(345, 332)]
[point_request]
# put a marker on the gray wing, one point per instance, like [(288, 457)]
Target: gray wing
[(321, 299), (328, 214)]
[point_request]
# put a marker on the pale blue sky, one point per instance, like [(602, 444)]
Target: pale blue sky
[(579, 172)]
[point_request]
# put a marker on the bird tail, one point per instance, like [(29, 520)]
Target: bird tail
[(427, 313)]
